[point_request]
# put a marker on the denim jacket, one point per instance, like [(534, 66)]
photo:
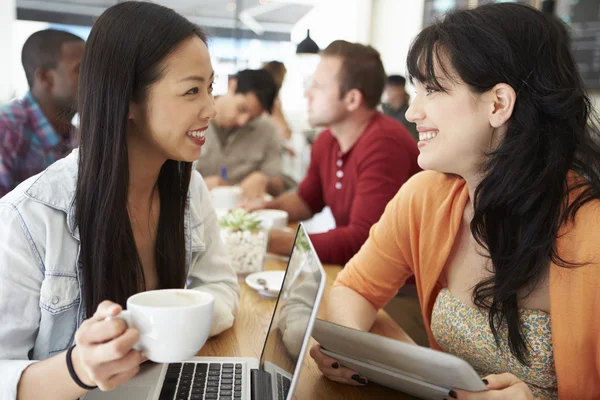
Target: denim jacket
[(41, 290)]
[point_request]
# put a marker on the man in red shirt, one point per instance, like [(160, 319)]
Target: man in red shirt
[(357, 164)]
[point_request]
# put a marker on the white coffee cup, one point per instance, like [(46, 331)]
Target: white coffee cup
[(227, 197), (173, 323), (272, 219)]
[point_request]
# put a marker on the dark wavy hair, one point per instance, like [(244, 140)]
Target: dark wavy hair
[(124, 57), (523, 198)]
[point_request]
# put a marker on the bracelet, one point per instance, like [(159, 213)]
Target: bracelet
[(72, 371)]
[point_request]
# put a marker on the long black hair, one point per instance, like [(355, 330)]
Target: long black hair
[(526, 193), (123, 58)]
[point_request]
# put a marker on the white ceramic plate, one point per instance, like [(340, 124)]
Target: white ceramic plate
[(272, 282)]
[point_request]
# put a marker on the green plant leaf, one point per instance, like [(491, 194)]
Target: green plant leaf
[(240, 220)]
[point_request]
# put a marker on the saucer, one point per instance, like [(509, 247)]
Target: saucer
[(273, 281)]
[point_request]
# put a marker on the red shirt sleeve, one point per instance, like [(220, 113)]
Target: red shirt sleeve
[(385, 165)]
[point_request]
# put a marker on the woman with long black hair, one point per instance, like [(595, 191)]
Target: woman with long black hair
[(124, 213), (501, 232)]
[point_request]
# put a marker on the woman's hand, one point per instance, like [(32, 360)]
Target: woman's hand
[(332, 369), (500, 387), (104, 356)]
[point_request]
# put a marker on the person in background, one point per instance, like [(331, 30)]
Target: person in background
[(231, 84), (357, 164), (277, 70), (501, 231), (241, 147), (396, 102), (36, 130), (123, 214)]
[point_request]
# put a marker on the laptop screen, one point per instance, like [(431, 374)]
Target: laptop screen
[(291, 317)]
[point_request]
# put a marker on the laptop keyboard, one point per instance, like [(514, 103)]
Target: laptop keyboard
[(283, 387), (200, 381)]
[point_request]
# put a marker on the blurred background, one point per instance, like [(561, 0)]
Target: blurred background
[(247, 33)]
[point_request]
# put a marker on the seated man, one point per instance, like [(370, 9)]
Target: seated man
[(242, 147), (357, 164), (36, 130), (395, 103)]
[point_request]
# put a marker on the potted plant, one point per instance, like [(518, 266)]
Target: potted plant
[(245, 240)]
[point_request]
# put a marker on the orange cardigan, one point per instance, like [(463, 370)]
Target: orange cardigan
[(414, 237)]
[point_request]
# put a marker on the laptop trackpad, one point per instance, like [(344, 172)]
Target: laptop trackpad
[(137, 388), (123, 392)]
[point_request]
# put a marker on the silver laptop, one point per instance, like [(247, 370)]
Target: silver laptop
[(274, 376)]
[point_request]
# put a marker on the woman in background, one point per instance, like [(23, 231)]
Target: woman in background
[(278, 71)]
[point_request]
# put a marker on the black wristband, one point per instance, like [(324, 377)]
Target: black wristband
[(72, 371)]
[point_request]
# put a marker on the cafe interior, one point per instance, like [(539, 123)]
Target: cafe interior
[(311, 148)]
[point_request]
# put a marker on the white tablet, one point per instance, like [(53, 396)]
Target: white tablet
[(412, 369)]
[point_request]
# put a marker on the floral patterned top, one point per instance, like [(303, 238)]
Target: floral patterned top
[(464, 331)]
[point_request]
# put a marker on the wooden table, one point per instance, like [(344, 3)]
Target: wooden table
[(247, 336)]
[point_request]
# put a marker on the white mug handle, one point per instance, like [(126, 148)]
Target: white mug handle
[(125, 315)]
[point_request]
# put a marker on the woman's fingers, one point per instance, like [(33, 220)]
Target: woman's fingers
[(332, 369), (501, 381), (345, 375), (118, 379), (94, 330), (104, 352), (502, 386), (103, 361), (107, 309), (131, 360), (100, 332), (321, 359), (116, 348)]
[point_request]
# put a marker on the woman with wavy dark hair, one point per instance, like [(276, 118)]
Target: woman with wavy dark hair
[(122, 214), (501, 231)]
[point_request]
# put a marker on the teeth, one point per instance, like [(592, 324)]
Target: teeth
[(196, 134), (427, 136)]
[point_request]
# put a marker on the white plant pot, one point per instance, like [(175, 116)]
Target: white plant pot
[(246, 249)]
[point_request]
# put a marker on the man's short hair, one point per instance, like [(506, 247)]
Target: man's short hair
[(361, 69), (43, 50), (396, 80), (259, 82)]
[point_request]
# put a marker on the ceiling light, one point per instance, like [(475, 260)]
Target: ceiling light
[(307, 46), (231, 6)]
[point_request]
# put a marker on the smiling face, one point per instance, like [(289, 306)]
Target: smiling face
[(178, 107), (455, 131)]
